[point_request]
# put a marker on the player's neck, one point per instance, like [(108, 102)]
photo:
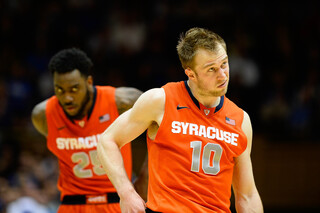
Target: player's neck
[(208, 102), (88, 106), (205, 100)]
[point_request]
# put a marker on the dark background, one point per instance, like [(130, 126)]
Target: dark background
[(274, 55)]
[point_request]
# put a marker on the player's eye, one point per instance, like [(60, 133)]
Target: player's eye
[(75, 89), (59, 91), (224, 64)]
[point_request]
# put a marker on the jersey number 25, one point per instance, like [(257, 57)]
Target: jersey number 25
[(83, 160)]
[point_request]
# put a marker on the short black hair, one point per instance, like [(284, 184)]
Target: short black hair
[(70, 59)]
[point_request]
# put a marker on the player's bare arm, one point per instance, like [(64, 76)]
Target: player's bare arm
[(247, 198), (147, 111), (38, 117), (126, 97)]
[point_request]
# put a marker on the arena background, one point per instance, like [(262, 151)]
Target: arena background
[(274, 52)]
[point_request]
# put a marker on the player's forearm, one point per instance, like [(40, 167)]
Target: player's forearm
[(249, 204), (112, 162)]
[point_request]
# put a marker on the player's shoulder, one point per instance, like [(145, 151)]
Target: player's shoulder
[(127, 92), (125, 97), (237, 110), (38, 117), (172, 85), (231, 105), (150, 105), (155, 94), (39, 109), (152, 99), (105, 90)]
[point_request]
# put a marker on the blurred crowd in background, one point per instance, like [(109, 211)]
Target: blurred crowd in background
[(274, 56)]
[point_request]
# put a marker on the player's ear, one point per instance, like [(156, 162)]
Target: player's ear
[(190, 73), (90, 80)]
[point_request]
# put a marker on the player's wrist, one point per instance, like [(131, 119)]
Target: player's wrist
[(126, 191)]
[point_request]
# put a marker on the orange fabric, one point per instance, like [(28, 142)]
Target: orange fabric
[(185, 171), (74, 144), (110, 208)]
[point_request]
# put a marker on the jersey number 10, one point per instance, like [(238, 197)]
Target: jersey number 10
[(209, 149)]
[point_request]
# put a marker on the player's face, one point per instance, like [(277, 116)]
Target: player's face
[(211, 72), (72, 91)]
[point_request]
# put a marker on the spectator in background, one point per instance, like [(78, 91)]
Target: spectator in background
[(26, 204)]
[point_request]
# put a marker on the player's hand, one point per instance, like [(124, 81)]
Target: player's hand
[(131, 202)]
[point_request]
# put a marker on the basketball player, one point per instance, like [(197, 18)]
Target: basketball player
[(72, 121), (199, 141)]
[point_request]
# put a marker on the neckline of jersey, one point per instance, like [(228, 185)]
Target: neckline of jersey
[(196, 102)]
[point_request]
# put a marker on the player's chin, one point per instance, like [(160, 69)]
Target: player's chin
[(222, 91), (71, 111)]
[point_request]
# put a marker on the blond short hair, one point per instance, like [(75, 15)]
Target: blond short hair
[(194, 39)]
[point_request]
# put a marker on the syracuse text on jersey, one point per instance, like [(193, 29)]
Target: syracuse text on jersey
[(204, 131), (78, 143)]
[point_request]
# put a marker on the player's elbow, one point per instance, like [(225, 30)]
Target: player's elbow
[(106, 143)]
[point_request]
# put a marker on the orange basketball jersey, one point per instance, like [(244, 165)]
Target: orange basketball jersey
[(192, 157), (74, 143)]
